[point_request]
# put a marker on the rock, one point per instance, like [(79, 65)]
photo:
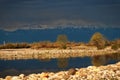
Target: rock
[(44, 75), (15, 78), (44, 78), (71, 71), (51, 74), (32, 77), (8, 77), (22, 76)]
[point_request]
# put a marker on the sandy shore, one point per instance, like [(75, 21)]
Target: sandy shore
[(109, 72), (11, 54)]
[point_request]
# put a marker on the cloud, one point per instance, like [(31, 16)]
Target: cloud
[(27, 14)]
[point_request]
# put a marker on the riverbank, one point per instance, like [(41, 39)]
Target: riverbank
[(13, 54), (109, 72)]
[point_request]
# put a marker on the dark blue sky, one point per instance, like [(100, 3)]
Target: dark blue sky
[(25, 14)]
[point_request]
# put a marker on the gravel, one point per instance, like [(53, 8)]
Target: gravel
[(109, 72)]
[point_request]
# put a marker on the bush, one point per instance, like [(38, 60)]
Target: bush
[(115, 46), (98, 40), (62, 40), (63, 46)]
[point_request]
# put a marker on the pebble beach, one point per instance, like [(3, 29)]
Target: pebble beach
[(108, 72)]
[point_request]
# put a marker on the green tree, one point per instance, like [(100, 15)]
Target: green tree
[(98, 40)]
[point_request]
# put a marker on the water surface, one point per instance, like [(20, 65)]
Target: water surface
[(16, 67)]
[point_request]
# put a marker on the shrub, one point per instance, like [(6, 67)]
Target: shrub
[(63, 46), (62, 40), (98, 40), (115, 46)]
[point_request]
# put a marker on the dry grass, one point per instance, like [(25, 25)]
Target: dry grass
[(40, 45), (15, 45), (58, 45)]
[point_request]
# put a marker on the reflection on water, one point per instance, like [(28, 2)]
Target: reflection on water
[(45, 60), (15, 67), (105, 59), (62, 62), (99, 60)]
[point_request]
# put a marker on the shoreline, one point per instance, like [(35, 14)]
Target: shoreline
[(14, 54), (108, 72)]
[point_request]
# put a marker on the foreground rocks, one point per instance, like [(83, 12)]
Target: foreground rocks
[(109, 72)]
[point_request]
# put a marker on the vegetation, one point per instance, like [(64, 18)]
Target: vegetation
[(115, 44), (62, 42), (62, 38), (14, 45), (43, 44), (98, 40)]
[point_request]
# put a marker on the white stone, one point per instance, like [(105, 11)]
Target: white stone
[(15, 78)]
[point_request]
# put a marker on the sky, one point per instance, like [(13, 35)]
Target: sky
[(42, 14)]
